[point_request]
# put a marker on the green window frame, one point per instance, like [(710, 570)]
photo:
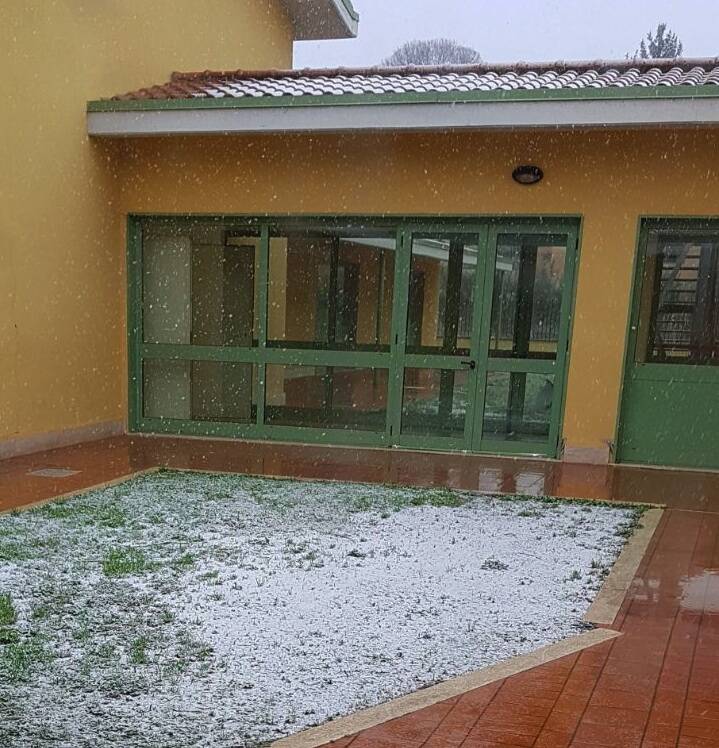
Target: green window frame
[(267, 353)]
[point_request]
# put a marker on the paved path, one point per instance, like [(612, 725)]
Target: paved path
[(656, 686)]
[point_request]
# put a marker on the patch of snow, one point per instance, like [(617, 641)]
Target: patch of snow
[(261, 607)]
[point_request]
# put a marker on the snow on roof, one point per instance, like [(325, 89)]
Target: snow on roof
[(569, 76)]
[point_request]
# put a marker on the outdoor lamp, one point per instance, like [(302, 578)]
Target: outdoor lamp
[(527, 174)]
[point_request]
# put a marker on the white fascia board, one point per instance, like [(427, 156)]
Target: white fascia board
[(586, 113)]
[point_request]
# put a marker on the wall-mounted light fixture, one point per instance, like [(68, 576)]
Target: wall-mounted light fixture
[(527, 174)]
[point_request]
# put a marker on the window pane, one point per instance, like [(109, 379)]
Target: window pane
[(331, 291), (527, 298), (434, 402), (199, 284), (441, 294), (200, 390), (325, 397), (679, 303), (518, 406)]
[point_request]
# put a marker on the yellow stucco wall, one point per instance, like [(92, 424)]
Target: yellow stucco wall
[(61, 254), (609, 178)]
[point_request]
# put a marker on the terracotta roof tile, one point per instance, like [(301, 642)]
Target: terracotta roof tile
[(599, 74)]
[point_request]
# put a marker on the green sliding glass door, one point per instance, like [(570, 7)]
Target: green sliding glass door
[(444, 334), (438, 336), (482, 340), (525, 339)]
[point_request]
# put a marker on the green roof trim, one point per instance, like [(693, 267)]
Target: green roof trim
[(262, 102)]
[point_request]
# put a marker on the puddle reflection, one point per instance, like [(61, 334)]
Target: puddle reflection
[(700, 593)]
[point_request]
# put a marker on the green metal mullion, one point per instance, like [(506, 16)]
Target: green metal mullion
[(305, 357), (200, 353), (639, 270), (517, 447), (435, 361), (324, 436), (319, 435), (200, 428), (134, 322), (439, 443), (532, 233), (263, 294), (632, 330), (484, 288), (328, 378), (566, 314), (263, 286), (400, 306), (522, 365)]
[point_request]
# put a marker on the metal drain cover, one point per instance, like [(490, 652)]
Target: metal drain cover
[(53, 472)]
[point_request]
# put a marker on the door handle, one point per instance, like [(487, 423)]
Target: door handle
[(469, 364)]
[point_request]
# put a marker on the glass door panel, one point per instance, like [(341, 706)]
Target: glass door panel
[(329, 326), (441, 294), (331, 290), (522, 378), (518, 406), (679, 302), (440, 339), (327, 397), (527, 297), (434, 402)]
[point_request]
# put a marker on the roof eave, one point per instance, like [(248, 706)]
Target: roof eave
[(495, 114), (322, 19)]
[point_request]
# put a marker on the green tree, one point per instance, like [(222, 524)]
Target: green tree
[(663, 43), (432, 52)]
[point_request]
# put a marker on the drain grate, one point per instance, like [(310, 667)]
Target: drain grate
[(53, 472)]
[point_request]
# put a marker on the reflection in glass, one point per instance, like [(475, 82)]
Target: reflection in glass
[(518, 406), (441, 294), (331, 291), (199, 284), (527, 297), (326, 397), (434, 402), (679, 303), (199, 390)]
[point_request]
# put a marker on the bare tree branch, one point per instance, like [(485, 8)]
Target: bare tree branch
[(432, 52)]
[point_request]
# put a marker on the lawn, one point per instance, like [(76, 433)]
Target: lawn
[(182, 609)]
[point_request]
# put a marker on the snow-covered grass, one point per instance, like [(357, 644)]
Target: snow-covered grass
[(202, 610)]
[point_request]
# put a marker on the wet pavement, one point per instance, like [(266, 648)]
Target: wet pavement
[(656, 686)]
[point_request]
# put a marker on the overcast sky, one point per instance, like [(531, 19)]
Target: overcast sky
[(531, 30)]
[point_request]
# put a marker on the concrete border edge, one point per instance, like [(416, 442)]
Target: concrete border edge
[(366, 718), (607, 603)]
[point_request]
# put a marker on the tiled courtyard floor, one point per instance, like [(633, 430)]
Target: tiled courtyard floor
[(656, 686)]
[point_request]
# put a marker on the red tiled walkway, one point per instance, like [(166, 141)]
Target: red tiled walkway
[(113, 458), (656, 686)]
